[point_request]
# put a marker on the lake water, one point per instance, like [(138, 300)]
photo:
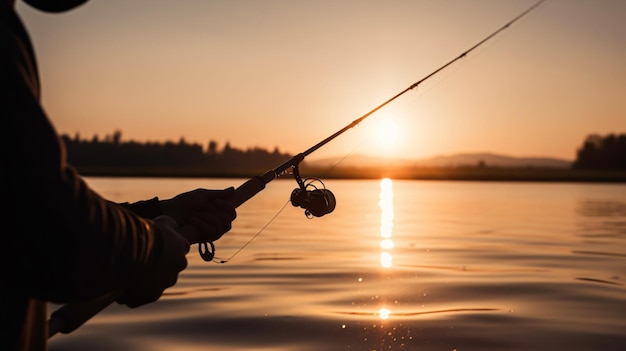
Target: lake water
[(399, 265)]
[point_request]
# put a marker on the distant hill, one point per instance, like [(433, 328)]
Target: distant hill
[(456, 160), (489, 159)]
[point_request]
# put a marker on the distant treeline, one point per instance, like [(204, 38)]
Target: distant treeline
[(602, 153), (114, 154)]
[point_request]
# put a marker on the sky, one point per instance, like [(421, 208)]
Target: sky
[(287, 74)]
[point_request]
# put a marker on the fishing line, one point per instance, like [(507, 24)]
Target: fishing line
[(218, 260), (344, 157)]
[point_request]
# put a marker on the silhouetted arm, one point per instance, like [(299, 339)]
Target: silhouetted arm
[(63, 241)]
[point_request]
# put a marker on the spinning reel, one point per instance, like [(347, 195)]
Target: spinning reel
[(315, 201)]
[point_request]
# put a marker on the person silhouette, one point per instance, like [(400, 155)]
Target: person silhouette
[(63, 242)]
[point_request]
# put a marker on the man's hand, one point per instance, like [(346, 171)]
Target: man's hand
[(164, 272), (202, 214)]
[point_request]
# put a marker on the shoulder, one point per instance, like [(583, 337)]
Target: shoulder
[(17, 58)]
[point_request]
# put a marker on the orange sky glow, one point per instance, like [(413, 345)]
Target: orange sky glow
[(288, 74)]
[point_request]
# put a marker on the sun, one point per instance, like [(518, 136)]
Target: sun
[(387, 136)]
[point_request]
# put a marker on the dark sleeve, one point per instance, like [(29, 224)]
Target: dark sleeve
[(146, 208), (61, 241)]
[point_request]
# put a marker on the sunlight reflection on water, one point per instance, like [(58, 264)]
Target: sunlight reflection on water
[(386, 221)]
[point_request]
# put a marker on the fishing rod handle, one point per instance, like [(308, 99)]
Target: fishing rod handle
[(71, 316), (251, 187)]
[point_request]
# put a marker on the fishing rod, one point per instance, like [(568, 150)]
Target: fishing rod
[(316, 201)]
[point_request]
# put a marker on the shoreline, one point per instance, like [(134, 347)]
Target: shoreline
[(518, 174)]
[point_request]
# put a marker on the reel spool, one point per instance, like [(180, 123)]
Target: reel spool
[(315, 201)]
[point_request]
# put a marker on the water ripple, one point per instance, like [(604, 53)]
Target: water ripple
[(601, 253), (595, 280)]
